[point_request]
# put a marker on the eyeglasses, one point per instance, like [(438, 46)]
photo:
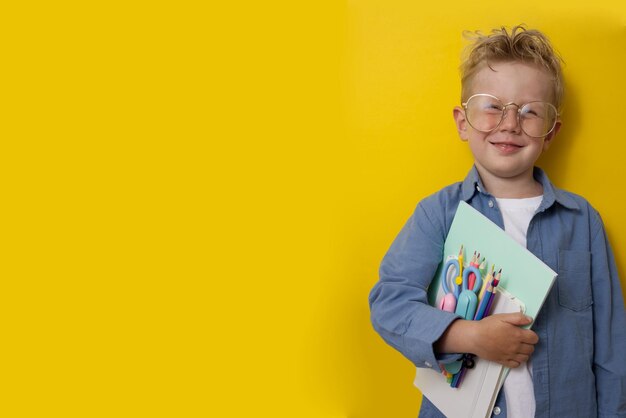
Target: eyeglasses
[(485, 113)]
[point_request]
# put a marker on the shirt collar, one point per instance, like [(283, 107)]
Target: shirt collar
[(551, 194)]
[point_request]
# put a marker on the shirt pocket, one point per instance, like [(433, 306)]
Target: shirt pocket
[(574, 279)]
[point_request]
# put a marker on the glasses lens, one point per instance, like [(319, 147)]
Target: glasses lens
[(484, 112), (538, 118)]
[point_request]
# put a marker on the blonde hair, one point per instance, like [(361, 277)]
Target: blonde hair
[(521, 45)]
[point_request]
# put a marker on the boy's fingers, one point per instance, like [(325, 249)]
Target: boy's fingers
[(530, 337), (517, 359), (527, 349), (516, 318), (521, 358), (511, 364), (525, 337)]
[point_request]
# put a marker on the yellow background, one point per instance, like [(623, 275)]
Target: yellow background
[(196, 195)]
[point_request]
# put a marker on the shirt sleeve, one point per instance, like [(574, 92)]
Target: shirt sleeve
[(399, 307), (609, 319)]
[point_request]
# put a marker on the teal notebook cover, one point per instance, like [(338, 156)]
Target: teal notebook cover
[(524, 276)]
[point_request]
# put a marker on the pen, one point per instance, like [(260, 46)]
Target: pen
[(482, 266), (486, 282), (492, 296), (459, 376), (472, 276), (455, 380), (482, 308), (468, 363)]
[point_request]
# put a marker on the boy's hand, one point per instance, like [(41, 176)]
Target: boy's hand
[(497, 338)]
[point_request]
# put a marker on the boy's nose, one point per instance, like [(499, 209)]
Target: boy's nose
[(509, 120)]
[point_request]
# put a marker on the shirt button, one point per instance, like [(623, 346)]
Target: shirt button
[(497, 410), (427, 364), (478, 188), (490, 203)]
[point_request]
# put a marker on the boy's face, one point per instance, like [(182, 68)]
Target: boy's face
[(507, 152)]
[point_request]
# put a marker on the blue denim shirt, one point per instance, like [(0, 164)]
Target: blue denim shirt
[(579, 364)]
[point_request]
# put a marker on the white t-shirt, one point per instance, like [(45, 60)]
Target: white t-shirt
[(518, 386)]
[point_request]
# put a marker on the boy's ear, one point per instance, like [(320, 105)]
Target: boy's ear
[(461, 123), (548, 139)]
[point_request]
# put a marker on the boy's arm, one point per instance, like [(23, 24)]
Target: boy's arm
[(400, 312), (609, 327)]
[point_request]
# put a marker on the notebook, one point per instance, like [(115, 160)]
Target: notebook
[(477, 393), (524, 285)]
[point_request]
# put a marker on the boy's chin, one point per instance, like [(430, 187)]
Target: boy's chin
[(505, 172)]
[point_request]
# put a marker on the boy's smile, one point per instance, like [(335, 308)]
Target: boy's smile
[(507, 153), (507, 147)]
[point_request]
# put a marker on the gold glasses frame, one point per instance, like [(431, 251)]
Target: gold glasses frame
[(520, 108)]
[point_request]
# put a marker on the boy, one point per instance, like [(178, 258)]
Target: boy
[(573, 362)]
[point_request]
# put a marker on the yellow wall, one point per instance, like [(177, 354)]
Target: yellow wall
[(196, 196)]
